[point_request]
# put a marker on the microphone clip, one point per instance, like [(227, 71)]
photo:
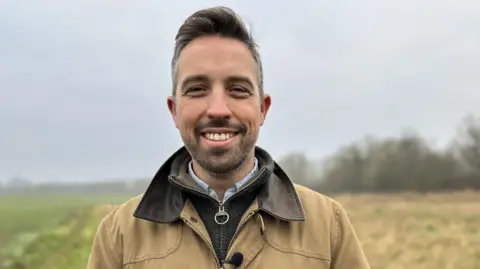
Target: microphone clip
[(236, 260)]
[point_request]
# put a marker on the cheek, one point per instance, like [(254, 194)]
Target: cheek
[(187, 116), (187, 123), (250, 115)]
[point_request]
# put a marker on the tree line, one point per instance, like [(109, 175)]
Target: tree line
[(393, 164)]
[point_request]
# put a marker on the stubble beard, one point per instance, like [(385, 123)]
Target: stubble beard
[(221, 161)]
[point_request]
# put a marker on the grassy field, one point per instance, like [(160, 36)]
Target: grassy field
[(49, 232), (397, 231), (439, 231)]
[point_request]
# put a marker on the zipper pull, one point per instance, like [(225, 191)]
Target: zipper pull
[(221, 214)]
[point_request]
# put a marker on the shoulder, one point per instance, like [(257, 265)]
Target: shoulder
[(323, 214), (118, 216), (318, 205)]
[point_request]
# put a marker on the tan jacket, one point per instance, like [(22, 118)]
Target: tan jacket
[(289, 226)]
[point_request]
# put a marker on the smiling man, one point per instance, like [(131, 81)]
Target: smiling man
[(217, 104), (220, 201)]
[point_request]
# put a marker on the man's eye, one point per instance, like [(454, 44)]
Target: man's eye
[(196, 90), (238, 89)]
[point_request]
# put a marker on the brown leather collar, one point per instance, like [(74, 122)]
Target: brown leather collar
[(163, 201)]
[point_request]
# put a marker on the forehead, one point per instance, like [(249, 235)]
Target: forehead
[(216, 58)]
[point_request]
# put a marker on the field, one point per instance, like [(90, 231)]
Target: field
[(437, 231), (39, 232), (418, 231)]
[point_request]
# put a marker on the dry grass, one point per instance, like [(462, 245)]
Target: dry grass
[(433, 231)]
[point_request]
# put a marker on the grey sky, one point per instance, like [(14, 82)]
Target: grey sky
[(83, 84)]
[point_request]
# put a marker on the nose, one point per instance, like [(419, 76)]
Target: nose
[(218, 106)]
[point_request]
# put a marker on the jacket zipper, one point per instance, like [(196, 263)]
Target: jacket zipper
[(221, 204), (221, 210), (252, 181), (217, 262), (240, 226)]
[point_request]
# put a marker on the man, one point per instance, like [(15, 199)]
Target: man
[(220, 201)]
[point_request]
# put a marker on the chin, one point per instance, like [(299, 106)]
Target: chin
[(221, 167)]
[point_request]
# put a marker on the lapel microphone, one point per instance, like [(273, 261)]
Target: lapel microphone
[(236, 260)]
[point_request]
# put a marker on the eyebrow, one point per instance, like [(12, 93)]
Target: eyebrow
[(194, 78), (206, 79), (241, 79)]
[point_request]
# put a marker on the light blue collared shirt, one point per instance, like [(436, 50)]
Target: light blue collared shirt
[(231, 190)]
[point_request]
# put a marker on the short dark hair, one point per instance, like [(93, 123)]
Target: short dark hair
[(220, 21)]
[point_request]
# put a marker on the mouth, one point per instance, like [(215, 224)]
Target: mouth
[(218, 138)]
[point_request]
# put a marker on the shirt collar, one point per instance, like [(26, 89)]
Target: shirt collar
[(234, 188)]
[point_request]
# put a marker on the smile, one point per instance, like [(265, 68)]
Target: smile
[(218, 136)]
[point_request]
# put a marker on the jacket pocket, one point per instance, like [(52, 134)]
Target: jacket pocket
[(294, 245), (150, 241)]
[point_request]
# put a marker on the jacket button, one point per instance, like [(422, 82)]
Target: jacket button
[(193, 219)]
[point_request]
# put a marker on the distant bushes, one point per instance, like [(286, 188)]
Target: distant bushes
[(404, 163)]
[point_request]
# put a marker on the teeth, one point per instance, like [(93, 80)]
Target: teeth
[(219, 136)]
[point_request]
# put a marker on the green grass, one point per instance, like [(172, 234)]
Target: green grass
[(36, 229)]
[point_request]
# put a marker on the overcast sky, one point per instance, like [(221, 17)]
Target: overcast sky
[(83, 84)]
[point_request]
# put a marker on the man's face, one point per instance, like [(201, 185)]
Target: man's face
[(217, 106)]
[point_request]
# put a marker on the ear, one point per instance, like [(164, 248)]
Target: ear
[(172, 107), (265, 106)]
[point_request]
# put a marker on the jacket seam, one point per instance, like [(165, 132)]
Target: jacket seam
[(161, 255), (295, 251), (336, 234), (107, 228), (108, 219)]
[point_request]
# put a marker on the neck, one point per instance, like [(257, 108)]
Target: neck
[(220, 183)]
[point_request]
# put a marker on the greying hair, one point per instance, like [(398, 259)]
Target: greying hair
[(219, 21)]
